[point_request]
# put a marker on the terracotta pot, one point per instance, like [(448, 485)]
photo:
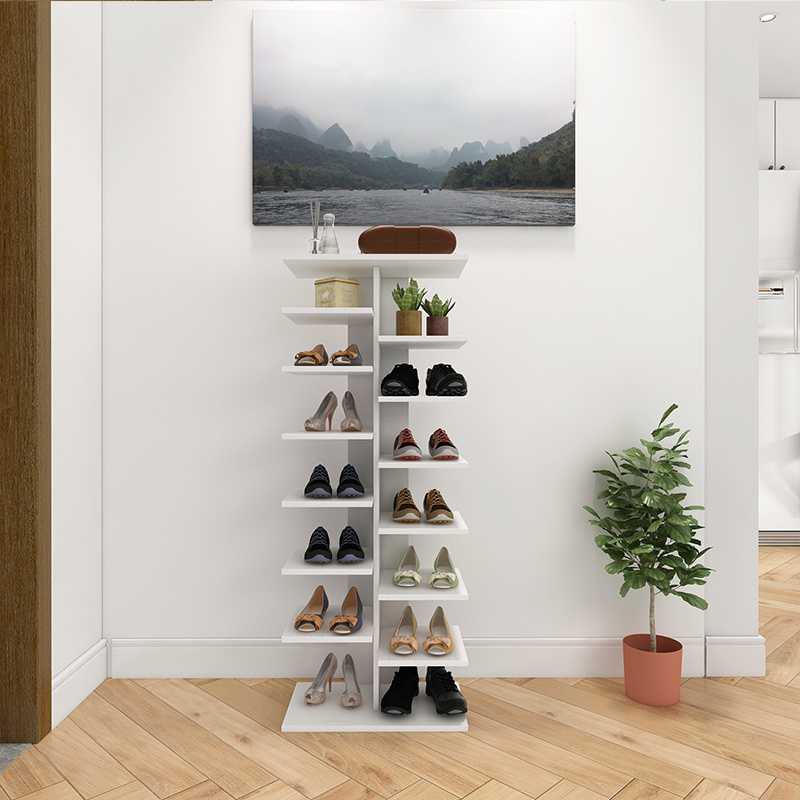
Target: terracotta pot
[(437, 326), (408, 323), (652, 678)]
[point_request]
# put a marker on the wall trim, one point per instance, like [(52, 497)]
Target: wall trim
[(269, 658), (735, 655), (78, 680)]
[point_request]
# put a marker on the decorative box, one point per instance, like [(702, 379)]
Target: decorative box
[(336, 293)]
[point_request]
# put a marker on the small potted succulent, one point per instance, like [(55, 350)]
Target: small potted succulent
[(408, 317), (649, 537), (437, 311)]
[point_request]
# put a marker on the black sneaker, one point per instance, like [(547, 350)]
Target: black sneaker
[(439, 685), (402, 381), (319, 548), (319, 485), (350, 549), (443, 381), (349, 483), (404, 688)]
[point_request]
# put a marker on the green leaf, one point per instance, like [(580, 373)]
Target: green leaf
[(614, 567), (693, 600), (635, 454), (667, 413), (591, 511)]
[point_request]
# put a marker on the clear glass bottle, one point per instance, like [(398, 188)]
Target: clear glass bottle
[(328, 243)]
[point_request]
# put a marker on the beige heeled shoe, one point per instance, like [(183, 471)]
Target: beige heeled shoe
[(315, 694), (351, 421), (351, 696), (440, 642), (324, 412), (404, 642)]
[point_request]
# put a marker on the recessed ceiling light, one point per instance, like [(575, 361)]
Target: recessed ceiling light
[(768, 17)]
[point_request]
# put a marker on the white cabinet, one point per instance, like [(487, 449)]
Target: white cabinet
[(384, 541), (779, 133)]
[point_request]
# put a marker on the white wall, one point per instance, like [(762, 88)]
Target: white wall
[(579, 339), (79, 662), (733, 644)]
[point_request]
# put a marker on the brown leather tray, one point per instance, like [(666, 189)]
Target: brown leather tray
[(407, 239)]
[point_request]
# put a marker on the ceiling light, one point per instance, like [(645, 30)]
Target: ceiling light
[(768, 17)]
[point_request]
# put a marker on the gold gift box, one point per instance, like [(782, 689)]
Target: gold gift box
[(336, 293)]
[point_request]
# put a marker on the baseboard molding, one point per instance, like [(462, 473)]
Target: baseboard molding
[(79, 680), (269, 658), (735, 655)]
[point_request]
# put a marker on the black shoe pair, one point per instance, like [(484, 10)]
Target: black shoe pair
[(439, 685), (319, 547), (319, 485), (441, 381)]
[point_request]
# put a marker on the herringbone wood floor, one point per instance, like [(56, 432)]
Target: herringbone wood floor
[(578, 739)]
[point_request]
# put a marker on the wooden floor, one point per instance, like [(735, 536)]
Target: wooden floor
[(553, 739)]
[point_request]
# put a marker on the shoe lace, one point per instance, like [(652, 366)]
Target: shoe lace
[(319, 537), (405, 436), (349, 473), (404, 496), (446, 680), (434, 498), (349, 536), (440, 436), (320, 474)]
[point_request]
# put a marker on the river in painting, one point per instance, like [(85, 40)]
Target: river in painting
[(448, 208)]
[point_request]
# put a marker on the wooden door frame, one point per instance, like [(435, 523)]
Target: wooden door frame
[(25, 557)]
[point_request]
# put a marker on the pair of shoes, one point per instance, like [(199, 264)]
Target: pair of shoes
[(318, 357), (404, 641), (441, 381), (440, 447), (443, 575), (319, 484), (319, 547), (351, 697), (351, 421), (439, 685), (404, 508), (311, 618)]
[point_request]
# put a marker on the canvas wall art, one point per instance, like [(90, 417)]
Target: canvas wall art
[(411, 116)]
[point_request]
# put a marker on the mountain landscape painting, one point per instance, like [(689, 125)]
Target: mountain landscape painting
[(414, 116)]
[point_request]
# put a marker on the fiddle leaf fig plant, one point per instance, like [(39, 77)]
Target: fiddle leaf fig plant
[(648, 533), (409, 299), (437, 307)]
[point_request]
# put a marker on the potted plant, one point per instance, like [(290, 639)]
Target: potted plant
[(649, 537), (437, 311), (408, 317)]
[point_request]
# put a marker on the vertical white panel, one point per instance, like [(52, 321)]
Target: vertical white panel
[(76, 325)]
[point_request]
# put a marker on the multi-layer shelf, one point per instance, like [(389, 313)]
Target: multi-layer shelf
[(370, 451)]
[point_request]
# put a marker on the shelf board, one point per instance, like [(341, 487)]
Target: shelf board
[(388, 591), (424, 342), (422, 398), (296, 566), (329, 316), (332, 716), (327, 370), (387, 462), (296, 500), (394, 265), (331, 436), (387, 526), (327, 636), (420, 659)]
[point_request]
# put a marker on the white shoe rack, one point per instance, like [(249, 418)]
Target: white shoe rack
[(369, 450)]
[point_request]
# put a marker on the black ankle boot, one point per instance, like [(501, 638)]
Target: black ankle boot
[(404, 688)]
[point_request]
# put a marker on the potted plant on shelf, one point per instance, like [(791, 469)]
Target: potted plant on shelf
[(437, 323), (409, 317), (649, 536)]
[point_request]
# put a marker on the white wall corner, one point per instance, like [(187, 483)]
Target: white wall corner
[(735, 655), (77, 681)]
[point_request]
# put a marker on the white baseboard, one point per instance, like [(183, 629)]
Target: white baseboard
[(269, 658), (79, 680), (735, 655)]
